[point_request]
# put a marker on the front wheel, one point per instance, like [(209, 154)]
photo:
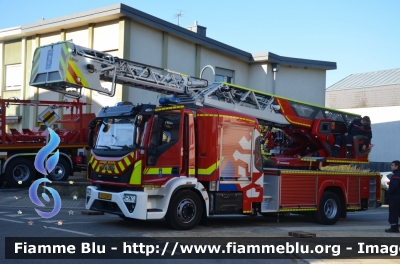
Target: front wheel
[(329, 209), (184, 211)]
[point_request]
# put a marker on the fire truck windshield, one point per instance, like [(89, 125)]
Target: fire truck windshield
[(115, 134)]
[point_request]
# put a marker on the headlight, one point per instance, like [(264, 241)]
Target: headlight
[(88, 192), (129, 198)]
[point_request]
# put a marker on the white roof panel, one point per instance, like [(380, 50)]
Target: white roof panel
[(367, 79)]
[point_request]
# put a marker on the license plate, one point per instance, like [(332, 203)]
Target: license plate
[(105, 196)]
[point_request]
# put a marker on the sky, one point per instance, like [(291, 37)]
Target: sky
[(359, 35)]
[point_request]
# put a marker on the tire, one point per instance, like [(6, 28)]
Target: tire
[(184, 211), (329, 209), (20, 170), (61, 171)]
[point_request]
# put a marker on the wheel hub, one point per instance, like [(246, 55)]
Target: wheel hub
[(186, 210), (21, 173), (58, 172), (330, 208)]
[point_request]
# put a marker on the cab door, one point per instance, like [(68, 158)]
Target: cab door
[(164, 156)]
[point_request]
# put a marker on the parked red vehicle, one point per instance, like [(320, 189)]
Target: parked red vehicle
[(19, 147)]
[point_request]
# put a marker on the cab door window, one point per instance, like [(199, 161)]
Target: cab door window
[(165, 133)]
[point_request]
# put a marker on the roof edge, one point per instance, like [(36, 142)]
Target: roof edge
[(297, 62)]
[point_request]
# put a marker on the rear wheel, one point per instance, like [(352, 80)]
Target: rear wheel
[(20, 173), (329, 209), (184, 211), (61, 171)]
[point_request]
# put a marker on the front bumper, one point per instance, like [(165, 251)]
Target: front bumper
[(113, 203)]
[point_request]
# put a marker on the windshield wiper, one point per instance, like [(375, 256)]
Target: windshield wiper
[(124, 146), (104, 146)]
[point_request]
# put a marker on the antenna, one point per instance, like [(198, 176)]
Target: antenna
[(178, 16)]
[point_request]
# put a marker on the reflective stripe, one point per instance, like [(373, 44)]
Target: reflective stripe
[(353, 207), (157, 171), (297, 123), (73, 74), (347, 161), (121, 166), (127, 161), (330, 173), (168, 108), (210, 169), (94, 165), (136, 176), (297, 209), (226, 116)]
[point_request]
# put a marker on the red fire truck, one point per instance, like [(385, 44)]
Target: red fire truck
[(19, 147), (199, 153)]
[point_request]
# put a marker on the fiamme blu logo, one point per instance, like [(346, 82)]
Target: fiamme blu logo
[(45, 166)]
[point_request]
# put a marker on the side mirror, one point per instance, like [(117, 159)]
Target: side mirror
[(139, 120), (106, 127)]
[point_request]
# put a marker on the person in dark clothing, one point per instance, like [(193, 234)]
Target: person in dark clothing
[(394, 198), (359, 126)]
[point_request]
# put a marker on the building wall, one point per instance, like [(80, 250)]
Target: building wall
[(301, 84), (12, 57), (216, 59), (388, 95), (181, 55), (106, 36), (261, 77), (79, 36), (145, 46)]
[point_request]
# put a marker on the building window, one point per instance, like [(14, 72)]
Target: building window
[(13, 77), (224, 75)]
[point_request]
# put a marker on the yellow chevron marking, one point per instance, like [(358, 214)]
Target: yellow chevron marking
[(121, 166), (127, 161), (78, 73)]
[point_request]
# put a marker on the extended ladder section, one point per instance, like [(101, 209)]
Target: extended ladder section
[(269, 109), (66, 68)]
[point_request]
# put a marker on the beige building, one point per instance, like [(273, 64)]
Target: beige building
[(131, 34)]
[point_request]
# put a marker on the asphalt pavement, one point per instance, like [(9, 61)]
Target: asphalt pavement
[(19, 197), (72, 193)]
